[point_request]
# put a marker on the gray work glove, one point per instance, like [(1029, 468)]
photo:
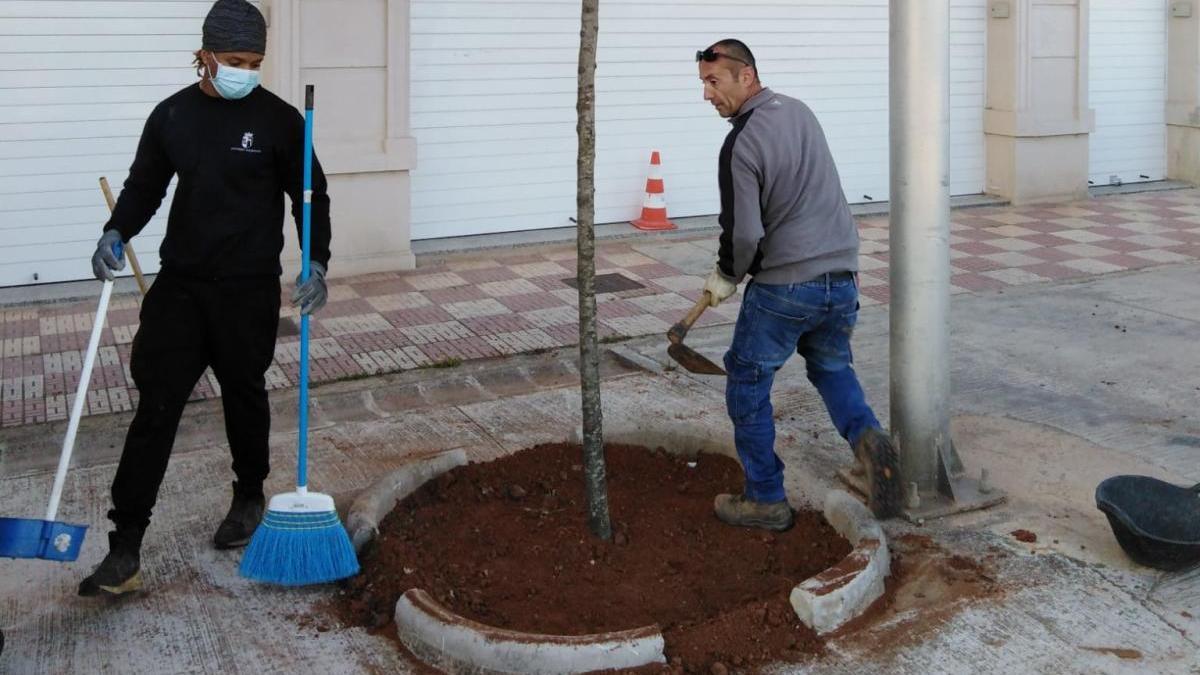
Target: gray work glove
[(105, 260), (310, 295)]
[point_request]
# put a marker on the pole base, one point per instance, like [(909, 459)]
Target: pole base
[(965, 494)]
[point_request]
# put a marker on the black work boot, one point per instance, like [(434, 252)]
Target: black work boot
[(244, 514), (881, 464), (120, 571)]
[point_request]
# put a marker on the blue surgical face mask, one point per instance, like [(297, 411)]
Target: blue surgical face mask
[(233, 83)]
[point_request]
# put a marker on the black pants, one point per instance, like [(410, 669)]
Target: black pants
[(186, 326)]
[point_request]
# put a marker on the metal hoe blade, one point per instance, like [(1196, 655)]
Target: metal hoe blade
[(693, 361)]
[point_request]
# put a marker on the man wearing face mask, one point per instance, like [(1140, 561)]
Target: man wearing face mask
[(237, 149)]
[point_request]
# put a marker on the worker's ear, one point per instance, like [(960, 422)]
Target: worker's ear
[(747, 76)]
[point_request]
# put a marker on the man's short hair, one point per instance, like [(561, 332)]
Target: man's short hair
[(739, 51)]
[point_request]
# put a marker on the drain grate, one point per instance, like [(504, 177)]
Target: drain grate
[(609, 283)]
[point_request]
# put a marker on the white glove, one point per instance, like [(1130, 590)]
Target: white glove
[(718, 287)]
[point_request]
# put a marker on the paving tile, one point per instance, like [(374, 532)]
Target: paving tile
[(428, 282), (1011, 218), (443, 297), (1161, 256), (638, 324), (502, 323), (1120, 245), (1081, 236), (1011, 231), (973, 263), (387, 303), (516, 286), (977, 248), (1055, 271), (554, 316), (666, 302), (437, 332), (976, 282), (358, 323), (630, 259), (1015, 276), (488, 274), (1093, 266), (867, 263), (1153, 227), (867, 280), (521, 341), (475, 308), (545, 269), (1013, 244), (1012, 259), (473, 264), (1084, 250), (535, 301), (1153, 241)]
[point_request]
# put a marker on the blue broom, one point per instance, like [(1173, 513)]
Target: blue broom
[(300, 540)]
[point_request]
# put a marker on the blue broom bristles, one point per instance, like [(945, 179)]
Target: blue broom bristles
[(298, 549)]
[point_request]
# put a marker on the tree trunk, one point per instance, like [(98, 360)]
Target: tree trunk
[(589, 348)]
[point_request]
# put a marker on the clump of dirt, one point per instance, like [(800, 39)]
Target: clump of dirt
[(1024, 536), (506, 543)]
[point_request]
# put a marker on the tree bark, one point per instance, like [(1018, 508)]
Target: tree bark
[(589, 348)]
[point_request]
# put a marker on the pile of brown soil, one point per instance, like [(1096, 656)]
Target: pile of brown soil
[(505, 543)]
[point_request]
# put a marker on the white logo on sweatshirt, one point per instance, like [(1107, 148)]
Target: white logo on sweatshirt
[(247, 144)]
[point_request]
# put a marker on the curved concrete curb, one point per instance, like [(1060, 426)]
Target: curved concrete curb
[(448, 641), (362, 522), (675, 436), (832, 598), (454, 643)]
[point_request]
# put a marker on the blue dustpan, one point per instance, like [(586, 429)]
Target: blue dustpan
[(49, 539), (45, 539)]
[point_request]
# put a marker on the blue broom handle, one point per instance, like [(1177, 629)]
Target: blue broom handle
[(306, 246)]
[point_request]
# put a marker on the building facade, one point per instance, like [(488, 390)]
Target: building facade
[(440, 118)]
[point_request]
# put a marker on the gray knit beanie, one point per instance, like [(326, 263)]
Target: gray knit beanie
[(235, 26)]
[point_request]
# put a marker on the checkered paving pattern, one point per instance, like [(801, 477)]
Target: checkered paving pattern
[(496, 305)]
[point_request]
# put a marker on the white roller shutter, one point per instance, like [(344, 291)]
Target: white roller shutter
[(77, 80), (493, 102), (1127, 87)]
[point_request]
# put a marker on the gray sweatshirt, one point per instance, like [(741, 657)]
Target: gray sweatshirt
[(784, 217)]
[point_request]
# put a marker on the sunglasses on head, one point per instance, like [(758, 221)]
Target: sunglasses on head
[(708, 56)]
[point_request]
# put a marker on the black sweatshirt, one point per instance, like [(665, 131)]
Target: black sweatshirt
[(235, 160)]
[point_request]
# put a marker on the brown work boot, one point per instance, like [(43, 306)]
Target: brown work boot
[(881, 464), (739, 511)]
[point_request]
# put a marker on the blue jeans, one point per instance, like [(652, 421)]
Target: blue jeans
[(815, 318)]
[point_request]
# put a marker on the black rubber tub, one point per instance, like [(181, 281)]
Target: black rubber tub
[(1157, 523)]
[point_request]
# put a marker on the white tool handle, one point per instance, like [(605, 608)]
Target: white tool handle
[(89, 360)]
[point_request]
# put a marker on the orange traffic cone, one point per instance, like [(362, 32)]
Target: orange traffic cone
[(654, 206)]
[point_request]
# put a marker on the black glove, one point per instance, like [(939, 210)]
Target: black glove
[(106, 259), (310, 295)]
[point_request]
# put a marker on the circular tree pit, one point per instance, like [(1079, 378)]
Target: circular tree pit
[(505, 544)]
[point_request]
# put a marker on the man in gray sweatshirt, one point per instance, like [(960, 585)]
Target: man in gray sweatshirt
[(786, 224)]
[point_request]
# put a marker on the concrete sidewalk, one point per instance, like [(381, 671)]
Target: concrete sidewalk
[(1057, 385), (491, 303)]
